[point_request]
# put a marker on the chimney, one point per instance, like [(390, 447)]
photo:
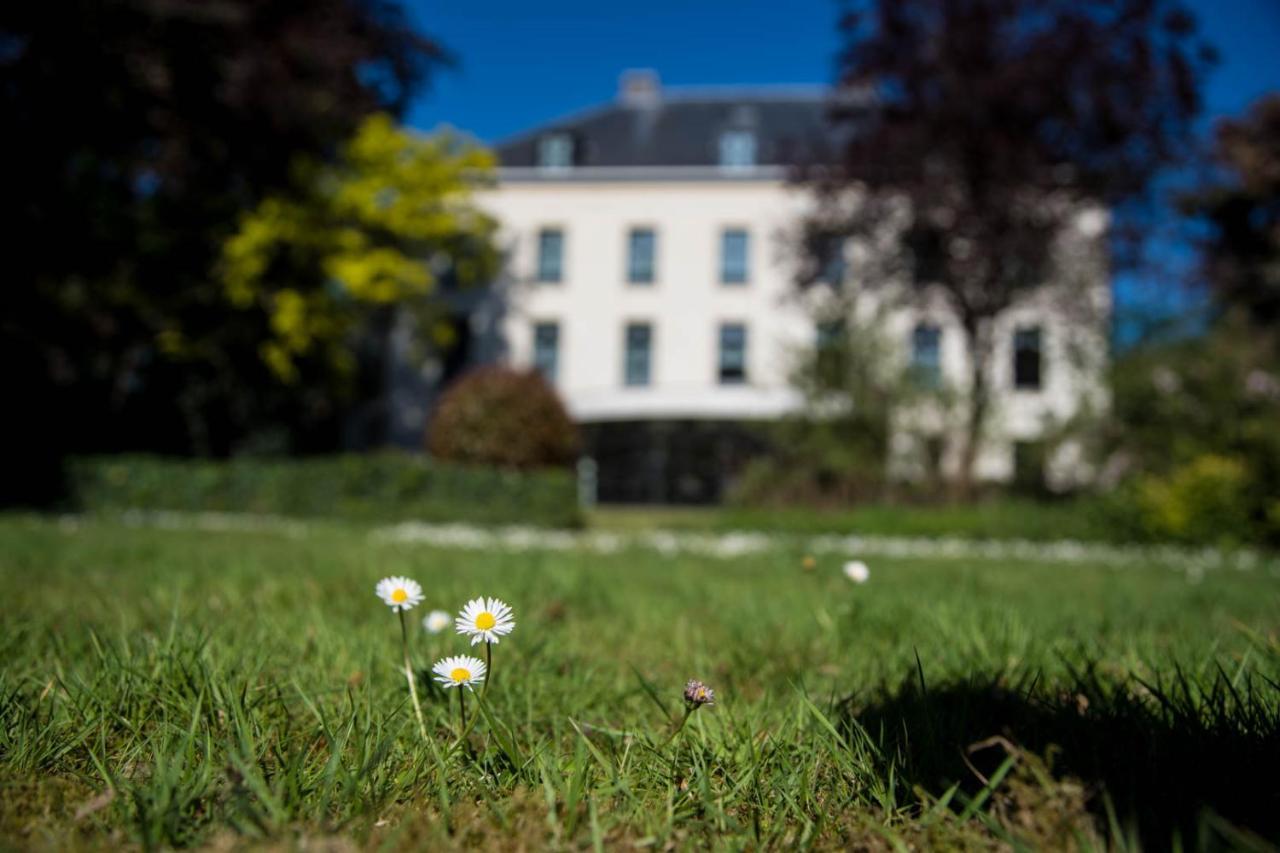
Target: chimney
[(639, 87)]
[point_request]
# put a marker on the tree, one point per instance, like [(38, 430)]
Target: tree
[(836, 448), (141, 131), (1240, 213), (973, 134), (385, 225)]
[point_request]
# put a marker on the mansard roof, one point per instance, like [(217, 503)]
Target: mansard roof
[(683, 127)]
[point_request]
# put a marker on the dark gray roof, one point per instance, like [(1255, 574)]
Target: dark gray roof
[(684, 129)]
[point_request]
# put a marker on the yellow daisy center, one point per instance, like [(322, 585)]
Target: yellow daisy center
[(400, 596), (460, 674), (485, 621)]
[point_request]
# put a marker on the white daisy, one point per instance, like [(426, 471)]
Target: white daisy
[(459, 671), (485, 620), (436, 621), (399, 593), (857, 571)]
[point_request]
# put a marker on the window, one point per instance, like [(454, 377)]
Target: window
[(733, 353), (639, 344), (831, 258), (1026, 358), (829, 334), (546, 349), (555, 151), (550, 254), (641, 251), (926, 355), (734, 245), (737, 149), (829, 345)]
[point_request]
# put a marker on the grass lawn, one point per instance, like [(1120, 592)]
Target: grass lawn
[(180, 688)]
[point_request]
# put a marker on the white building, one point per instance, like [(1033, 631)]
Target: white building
[(648, 277)]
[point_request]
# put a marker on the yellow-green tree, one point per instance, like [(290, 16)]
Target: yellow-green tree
[(388, 223)]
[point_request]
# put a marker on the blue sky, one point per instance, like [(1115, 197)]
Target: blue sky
[(522, 63)]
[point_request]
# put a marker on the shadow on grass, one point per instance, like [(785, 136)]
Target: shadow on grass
[(1174, 757)]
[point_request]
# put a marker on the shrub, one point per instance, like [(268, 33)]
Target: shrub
[(1205, 501), (381, 486), (503, 417)]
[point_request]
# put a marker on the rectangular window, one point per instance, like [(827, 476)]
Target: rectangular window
[(733, 353), (546, 349), (737, 149), (829, 345), (550, 254), (734, 245), (555, 151), (832, 262), (1027, 358), (639, 345), (829, 334), (642, 246), (926, 355)]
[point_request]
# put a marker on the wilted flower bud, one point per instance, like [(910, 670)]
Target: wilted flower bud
[(696, 694)]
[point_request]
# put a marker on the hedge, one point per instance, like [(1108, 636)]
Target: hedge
[(379, 486)]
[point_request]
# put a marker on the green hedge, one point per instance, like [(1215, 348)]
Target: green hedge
[(381, 486)]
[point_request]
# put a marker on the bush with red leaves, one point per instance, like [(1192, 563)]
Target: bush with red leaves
[(503, 417)]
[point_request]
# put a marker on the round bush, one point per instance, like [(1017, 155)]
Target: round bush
[(503, 417)]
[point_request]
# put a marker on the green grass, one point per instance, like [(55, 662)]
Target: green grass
[(1079, 519), (178, 688)]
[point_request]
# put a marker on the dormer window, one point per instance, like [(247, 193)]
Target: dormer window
[(555, 151), (737, 149)]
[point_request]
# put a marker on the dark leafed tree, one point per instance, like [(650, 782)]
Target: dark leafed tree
[(1241, 214), (138, 132), (975, 132)]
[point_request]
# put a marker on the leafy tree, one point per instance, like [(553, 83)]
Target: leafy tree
[(857, 396), (1241, 212), (386, 224), (1185, 406), (141, 131), (973, 135)]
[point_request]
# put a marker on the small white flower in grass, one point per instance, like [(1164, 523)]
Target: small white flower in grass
[(436, 621), (399, 593), (459, 671), (485, 620), (857, 571)]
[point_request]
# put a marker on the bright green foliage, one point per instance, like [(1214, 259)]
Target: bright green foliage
[(390, 222), (169, 688), (1197, 422), (1205, 500)]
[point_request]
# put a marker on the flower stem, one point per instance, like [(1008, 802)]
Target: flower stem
[(488, 669), (688, 712), (408, 674), (462, 707)]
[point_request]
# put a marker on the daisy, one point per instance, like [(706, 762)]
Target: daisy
[(485, 620), (696, 693), (399, 593), (436, 621), (857, 571), (459, 671)]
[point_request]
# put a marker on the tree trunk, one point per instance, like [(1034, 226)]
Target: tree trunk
[(978, 344)]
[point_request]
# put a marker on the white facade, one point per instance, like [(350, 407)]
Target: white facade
[(686, 304), (622, 287)]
